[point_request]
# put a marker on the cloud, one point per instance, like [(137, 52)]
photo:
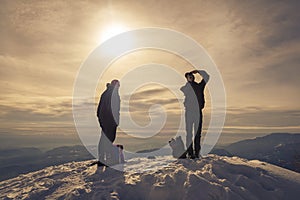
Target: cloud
[(50, 111), (283, 72), (254, 43), (263, 118), (141, 110), (43, 44), (144, 99), (146, 93), (260, 58)]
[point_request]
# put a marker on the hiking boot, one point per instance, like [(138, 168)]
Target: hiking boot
[(192, 156)]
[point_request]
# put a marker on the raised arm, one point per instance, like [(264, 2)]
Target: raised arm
[(203, 73)]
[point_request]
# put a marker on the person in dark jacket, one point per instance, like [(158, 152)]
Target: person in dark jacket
[(194, 103), (108, 114)]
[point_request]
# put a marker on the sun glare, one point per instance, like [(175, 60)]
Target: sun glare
[(115, 45), (111, 30)]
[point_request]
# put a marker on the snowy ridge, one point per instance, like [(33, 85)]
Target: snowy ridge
[(212, 177)]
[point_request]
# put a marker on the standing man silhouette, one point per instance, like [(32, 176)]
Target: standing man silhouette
[(108, 114), (194, 103)]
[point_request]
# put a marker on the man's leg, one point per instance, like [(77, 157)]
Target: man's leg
[(111, 150), (102, 148), (111, 133), (189, 134), (198, 130), (105, 143)]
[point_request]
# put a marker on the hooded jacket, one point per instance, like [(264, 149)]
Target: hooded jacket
[(108, 111)]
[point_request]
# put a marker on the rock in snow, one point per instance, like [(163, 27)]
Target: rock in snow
[(212, 177)]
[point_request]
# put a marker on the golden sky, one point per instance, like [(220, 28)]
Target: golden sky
[(255, 45)]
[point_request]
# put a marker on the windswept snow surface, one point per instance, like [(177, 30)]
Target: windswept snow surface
[(212, 177)]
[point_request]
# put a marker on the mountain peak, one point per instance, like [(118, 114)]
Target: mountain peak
[(212, 177)]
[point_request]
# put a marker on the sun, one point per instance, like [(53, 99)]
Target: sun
[(111, 30), (114, 46)]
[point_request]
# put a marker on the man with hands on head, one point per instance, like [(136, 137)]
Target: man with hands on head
[(194, 103)]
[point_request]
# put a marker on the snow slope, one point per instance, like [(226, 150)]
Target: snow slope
[(212, 177)]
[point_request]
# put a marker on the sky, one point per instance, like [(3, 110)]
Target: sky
[(255, 45)]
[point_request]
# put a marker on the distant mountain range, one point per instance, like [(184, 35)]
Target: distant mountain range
[(282, 149), (23, 160)]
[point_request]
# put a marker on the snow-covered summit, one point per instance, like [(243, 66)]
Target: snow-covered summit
[(212, 177)]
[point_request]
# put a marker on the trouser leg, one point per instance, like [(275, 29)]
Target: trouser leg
[(112, 152), (106, 148), (189, 134), (108, 136), (102, 147), (111, 133), (197, 131), (100, 150)]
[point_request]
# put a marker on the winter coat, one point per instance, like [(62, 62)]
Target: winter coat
[(108, 111), (194, 95)]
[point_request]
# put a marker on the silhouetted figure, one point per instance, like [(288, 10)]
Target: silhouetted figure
[(194, 103), (108, 114)]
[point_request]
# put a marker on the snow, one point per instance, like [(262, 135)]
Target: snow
[(211, 177)]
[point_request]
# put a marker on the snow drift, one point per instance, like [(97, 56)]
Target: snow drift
[(212, 177)]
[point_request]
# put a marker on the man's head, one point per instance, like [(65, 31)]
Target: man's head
[(115, 83), (189, 77)]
